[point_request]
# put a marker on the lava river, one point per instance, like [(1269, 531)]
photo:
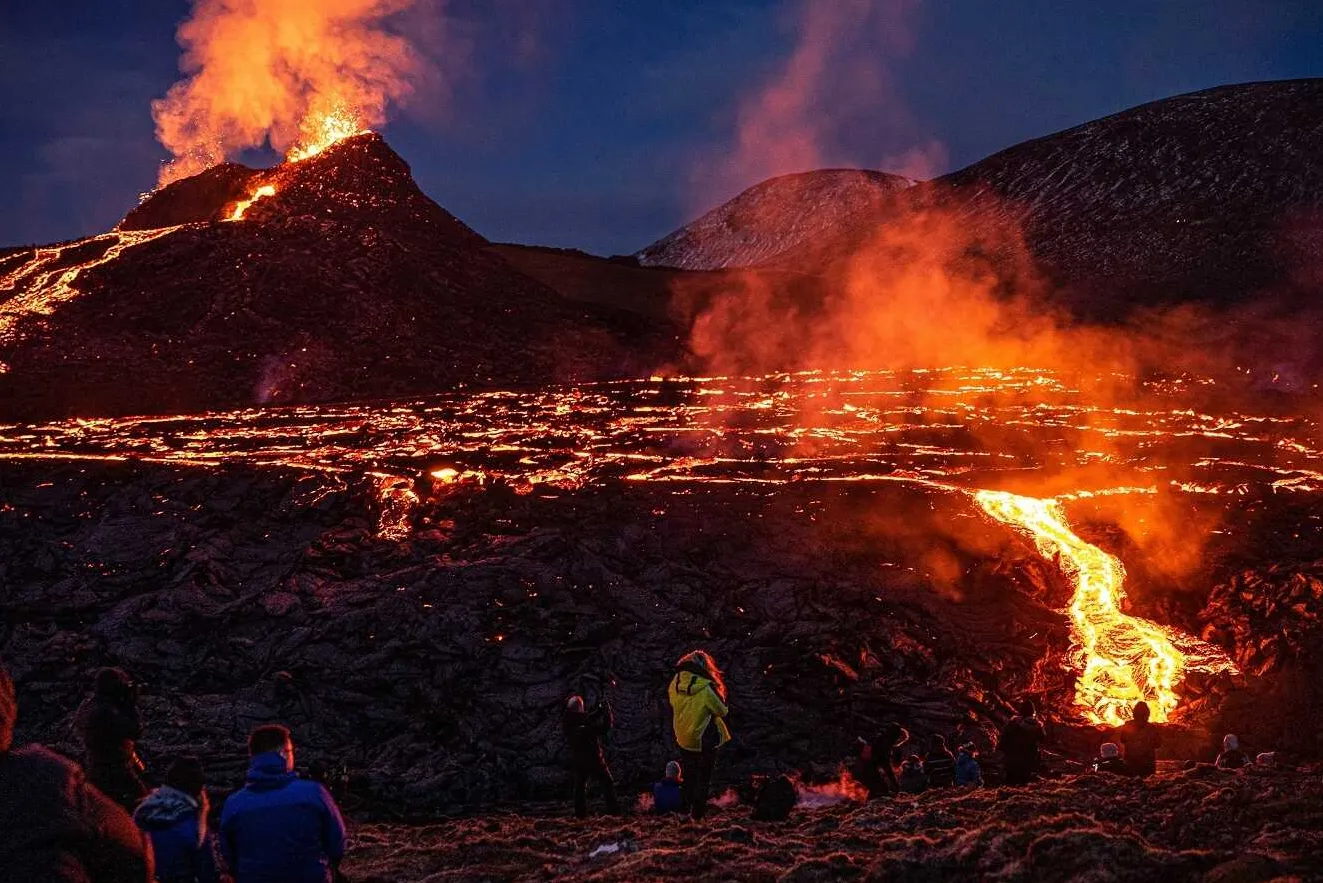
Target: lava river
[(992, 435)]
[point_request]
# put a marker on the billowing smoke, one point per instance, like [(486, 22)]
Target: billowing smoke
[(273, 71)]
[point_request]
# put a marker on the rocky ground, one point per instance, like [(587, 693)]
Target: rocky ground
[(1201, 825), (434, 668)]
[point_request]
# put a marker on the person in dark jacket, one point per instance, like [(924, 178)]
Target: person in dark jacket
[(584, 731), (175, 817), (1231, 757), (1141, 741), (874, 770), (54, 826), (280, 828), (939, 764), (666, 794), (912, 779), (1019, 744), (968, 774), (1109, 760), (110, 727)]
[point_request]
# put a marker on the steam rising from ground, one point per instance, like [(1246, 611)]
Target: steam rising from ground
[(268, 71)]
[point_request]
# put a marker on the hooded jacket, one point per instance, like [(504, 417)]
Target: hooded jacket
[(694, 705), (184, 852), (667, 796), (280, 828), (56, 828), (967, 771), (583, 732)]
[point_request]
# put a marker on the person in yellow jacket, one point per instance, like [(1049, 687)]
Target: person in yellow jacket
[(698, 708)]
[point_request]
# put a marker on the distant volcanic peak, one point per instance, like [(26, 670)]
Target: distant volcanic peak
[(355, 177), (772, 216)]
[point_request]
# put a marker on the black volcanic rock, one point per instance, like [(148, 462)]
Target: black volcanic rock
[(203, 197), (1214, 196), (347, 282)]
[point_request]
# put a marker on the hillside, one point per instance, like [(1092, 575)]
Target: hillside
[(347, 281), (1215, 196), (768, 218)]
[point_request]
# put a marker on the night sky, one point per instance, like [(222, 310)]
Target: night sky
[(603, 125)]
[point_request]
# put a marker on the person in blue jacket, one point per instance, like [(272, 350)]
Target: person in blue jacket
[(667, 794), (174, 816), (280, 828)]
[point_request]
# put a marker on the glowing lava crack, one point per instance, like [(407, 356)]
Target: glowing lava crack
[(1121, 659)]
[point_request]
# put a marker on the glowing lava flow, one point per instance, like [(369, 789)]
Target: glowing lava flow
[(1121, 659), (46, 280), (337, 125), (244, 204)]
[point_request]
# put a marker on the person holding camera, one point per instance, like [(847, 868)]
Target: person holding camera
[(584, 730), (111, 726)]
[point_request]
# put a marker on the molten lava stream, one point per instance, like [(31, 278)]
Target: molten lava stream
[(1122, 659)]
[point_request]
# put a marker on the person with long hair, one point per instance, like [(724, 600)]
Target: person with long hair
[(698, 716)]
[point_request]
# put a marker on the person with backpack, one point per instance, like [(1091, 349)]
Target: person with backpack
[(1019, 744), (110, 726), (968, 774), (697, 693), (1109, 760), (175, 817), (667, 795), (584, 731), (279, 828), (912, 778), (1141, 741), (939, 763), (873, 768), (56, 827)]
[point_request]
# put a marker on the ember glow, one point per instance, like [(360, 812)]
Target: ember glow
[(1121, 659), (321, 130), (244, 204), (953, 432), (40, 283)]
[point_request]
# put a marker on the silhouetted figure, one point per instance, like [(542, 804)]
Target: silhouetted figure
[(939, 764), (583, 732), (1141, 741), (110, 728), (175, 817), (912, 778), (968, 773), (697, 693), (1109, 760), (873, 769), (775, 799), (54, 826), (280, 828), (1019, 744), (1231, 757), (666, 794)]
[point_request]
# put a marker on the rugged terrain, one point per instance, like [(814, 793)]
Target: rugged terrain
[(1211, 197), (347, 282), (1202, 825)]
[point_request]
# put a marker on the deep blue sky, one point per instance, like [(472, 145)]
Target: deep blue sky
[(598, 124)]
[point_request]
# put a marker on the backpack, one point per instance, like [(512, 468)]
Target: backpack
[(775, 800)]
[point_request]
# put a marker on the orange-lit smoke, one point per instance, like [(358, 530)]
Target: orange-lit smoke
[(275, 71)]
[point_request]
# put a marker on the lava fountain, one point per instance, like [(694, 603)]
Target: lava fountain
[(1121, 659)]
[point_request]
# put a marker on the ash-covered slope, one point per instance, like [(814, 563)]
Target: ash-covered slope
[(1212, 196), (344, 281), (773, 216)]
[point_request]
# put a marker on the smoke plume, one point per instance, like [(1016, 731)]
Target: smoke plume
[(269, 71)]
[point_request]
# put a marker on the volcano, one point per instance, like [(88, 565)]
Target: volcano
[(330, 278), (1212, 197)]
